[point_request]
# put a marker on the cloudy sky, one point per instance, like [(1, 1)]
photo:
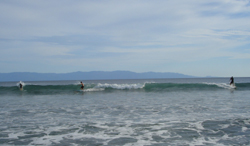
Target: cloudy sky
[(193, 37)]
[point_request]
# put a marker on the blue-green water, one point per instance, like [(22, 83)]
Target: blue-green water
[(126, 112)]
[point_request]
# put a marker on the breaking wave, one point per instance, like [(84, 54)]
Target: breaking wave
[(54, 89)]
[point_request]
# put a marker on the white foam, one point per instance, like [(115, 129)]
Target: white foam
[(77, 83), (13, 135), (20, 83), (93, 89), (224, 126), (244, 129), (203, 141), (221, 85), (49, 139), (198, 125), (120, 86)]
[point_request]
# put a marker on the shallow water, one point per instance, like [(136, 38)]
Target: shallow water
[(126, 112)]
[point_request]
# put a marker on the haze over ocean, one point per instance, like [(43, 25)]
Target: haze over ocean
[(93, 75)]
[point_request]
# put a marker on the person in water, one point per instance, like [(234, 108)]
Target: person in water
[(20, 86), (82, 86), (231, 80)]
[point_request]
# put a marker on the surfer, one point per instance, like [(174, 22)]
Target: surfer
[(232, 80), (82, 86), (21, 86)]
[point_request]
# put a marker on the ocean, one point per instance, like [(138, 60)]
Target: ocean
[(150, 112)]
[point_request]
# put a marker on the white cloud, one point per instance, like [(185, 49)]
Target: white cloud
[(124, 32)]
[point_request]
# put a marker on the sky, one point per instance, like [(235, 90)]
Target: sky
[(192, 37)]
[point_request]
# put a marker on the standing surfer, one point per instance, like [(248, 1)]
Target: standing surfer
[(232, 80), (20, 86), (82, 86)]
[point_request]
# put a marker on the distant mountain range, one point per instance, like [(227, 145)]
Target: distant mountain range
[(93, 75)]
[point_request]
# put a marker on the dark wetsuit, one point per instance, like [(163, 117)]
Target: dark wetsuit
[(20, 86), (232, 80), (82, 86)]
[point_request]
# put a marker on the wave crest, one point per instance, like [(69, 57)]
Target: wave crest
[(148, 87), (121, 86)]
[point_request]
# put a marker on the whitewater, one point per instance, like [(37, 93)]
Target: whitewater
[(152, 112)]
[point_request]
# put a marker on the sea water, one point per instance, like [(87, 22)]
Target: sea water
[(200, 111)]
